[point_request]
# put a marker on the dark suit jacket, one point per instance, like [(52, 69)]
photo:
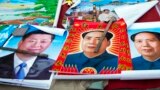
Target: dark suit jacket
[(39, 70), (140, 63)]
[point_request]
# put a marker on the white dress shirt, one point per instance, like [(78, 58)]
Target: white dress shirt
[(18, 61)]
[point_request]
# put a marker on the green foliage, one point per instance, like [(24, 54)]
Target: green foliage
[(50, 6), (2, 27)]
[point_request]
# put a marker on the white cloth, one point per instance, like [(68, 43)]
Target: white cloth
[(106, 17), (18, 61)]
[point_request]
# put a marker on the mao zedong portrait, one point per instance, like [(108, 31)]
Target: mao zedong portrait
[(147, 44), (27, 66), (88, 58)]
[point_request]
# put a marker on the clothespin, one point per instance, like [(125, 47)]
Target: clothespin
[(20, 31)]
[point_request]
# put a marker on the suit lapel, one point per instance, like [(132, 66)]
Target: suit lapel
[(39, 69), (33, 70)]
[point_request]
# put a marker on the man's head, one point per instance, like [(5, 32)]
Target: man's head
[(91, 39), (147, 43), (36, 41), (106, 11)]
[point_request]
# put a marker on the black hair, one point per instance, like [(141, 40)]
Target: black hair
[(106, 10), (38, 32), (157, 34), (108, 34)]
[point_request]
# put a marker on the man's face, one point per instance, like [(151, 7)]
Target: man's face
[(147, 44), (90, 41), (35, 43)]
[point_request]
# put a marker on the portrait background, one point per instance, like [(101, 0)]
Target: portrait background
[(139, 27)]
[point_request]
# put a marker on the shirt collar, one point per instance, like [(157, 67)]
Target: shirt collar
[(150, 60), (101, 55), (18, 61)]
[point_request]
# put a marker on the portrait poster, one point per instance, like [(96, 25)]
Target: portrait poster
[(102, 10), (144, 47), (140, 28), (39, 36), (119, 47)]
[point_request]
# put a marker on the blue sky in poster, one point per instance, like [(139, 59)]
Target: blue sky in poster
[(103, 2), (87, 5), (6, 32)]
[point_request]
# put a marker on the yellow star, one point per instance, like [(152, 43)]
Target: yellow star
[(69, 2)]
